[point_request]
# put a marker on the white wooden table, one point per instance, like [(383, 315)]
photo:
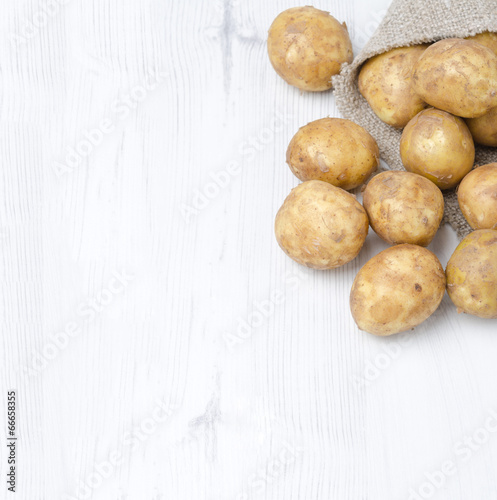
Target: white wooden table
[(159, 343)]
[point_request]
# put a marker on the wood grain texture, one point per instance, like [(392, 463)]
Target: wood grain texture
[(212, 367)]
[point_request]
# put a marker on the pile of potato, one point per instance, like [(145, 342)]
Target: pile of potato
[(444, 96)]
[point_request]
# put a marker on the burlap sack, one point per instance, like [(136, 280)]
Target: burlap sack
[(410, 22)]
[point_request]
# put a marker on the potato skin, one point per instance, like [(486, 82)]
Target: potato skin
[(438, 146), (321, 226), (397, 290), (472, 274), (307, 46), (403, 207), (385, 82), (477, 197), (484, 128), (458, 76), (488, 39), (333, 150)]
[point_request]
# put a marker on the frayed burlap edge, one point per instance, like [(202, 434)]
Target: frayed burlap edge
[(411, 22)]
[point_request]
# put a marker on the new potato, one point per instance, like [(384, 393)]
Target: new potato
[(321, 226), (307, 46), (385, 82), (472, 274), (458, 76), (397, 290), (438, 146), (484, 128), (477, 197), (403, 207), (488, 39), (333, 150)]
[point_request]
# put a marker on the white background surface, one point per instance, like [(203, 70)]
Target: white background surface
[(163, 378)]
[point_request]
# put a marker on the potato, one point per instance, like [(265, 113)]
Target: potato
[(321, 226), (438, 146), (458, 76), (397, 289), (335, 151), (472, 274), (307, 46), (385, 82), (477, 196), (484, 128), (487, 39), (403, 207)]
